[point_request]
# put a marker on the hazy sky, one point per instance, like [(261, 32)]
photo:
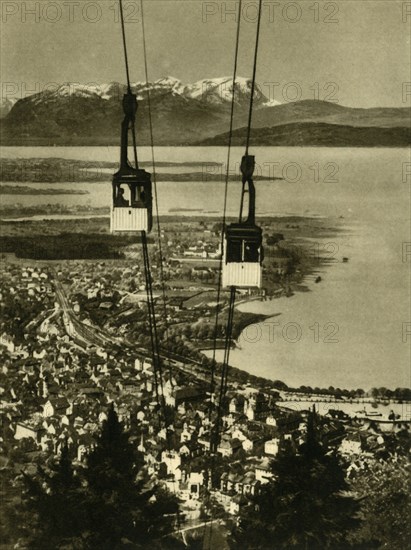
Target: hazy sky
[(356, 52)]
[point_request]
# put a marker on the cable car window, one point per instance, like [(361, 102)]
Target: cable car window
[(234, 251), (138, 197), (251, 252), (120, 200)]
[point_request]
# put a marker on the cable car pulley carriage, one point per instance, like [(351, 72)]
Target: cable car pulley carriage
[(131, 209)]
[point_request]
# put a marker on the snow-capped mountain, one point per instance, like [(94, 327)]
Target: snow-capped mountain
[(70, 90), (167, 84), (217, 91), (182, 114), (220, 90)]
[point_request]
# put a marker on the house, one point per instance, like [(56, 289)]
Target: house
[(39, 353), (263, 472), (188, 394), (185, 451), (236, 503), (231, 418), (172, 461), (85, 444), (254, 405), (204, 441), (46, 443), (7, 341), (271, 446), (351, 445), (270, 420), (56, 407), (25, 431), (233, 405), (195, 482), (250, 486), (185, 435), (238, 433), (229, 447), (251, 441), (138, 364)]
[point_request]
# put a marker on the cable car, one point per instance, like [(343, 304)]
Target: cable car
[(132, 203), (243, 251)]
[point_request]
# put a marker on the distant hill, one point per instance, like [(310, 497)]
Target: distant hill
[(314, 134), (74, 114), (331, 113)]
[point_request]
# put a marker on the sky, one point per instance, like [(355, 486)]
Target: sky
[(356, 53)]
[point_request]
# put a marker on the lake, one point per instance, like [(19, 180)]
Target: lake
[(349, 330)]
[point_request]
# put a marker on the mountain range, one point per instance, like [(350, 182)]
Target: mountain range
[(194, 114)]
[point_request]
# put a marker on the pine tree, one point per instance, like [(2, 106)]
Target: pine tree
[(304, 506), (54, 506), (124, 508), (110, 504)]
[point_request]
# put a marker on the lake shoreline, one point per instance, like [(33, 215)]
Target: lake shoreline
[(361, 188)]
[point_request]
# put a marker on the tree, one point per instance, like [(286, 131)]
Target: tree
[(280, 385), (304, 506), (385, 505), (54, 506), (124, 505), (109, 505)]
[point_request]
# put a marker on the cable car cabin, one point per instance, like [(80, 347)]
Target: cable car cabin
[(243, 251), (132, 202), (243, 256)]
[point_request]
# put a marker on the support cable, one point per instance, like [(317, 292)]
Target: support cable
[(219, 284), (158, 375), (162, 278), (132, 125), (224, 374), (153, 324), (160, 248), (215, 434), (123, 32), (224, 380), (250, 113), (214, 441), (223, 223)]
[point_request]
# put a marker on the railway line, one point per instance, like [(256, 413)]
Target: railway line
[(91, 336)]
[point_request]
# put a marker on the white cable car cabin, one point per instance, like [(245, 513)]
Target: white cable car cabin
[(243, 251), (131, 209)]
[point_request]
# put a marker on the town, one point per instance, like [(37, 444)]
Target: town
[(74, 343)]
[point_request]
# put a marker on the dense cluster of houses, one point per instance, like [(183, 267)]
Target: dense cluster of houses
[(55, 392)]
